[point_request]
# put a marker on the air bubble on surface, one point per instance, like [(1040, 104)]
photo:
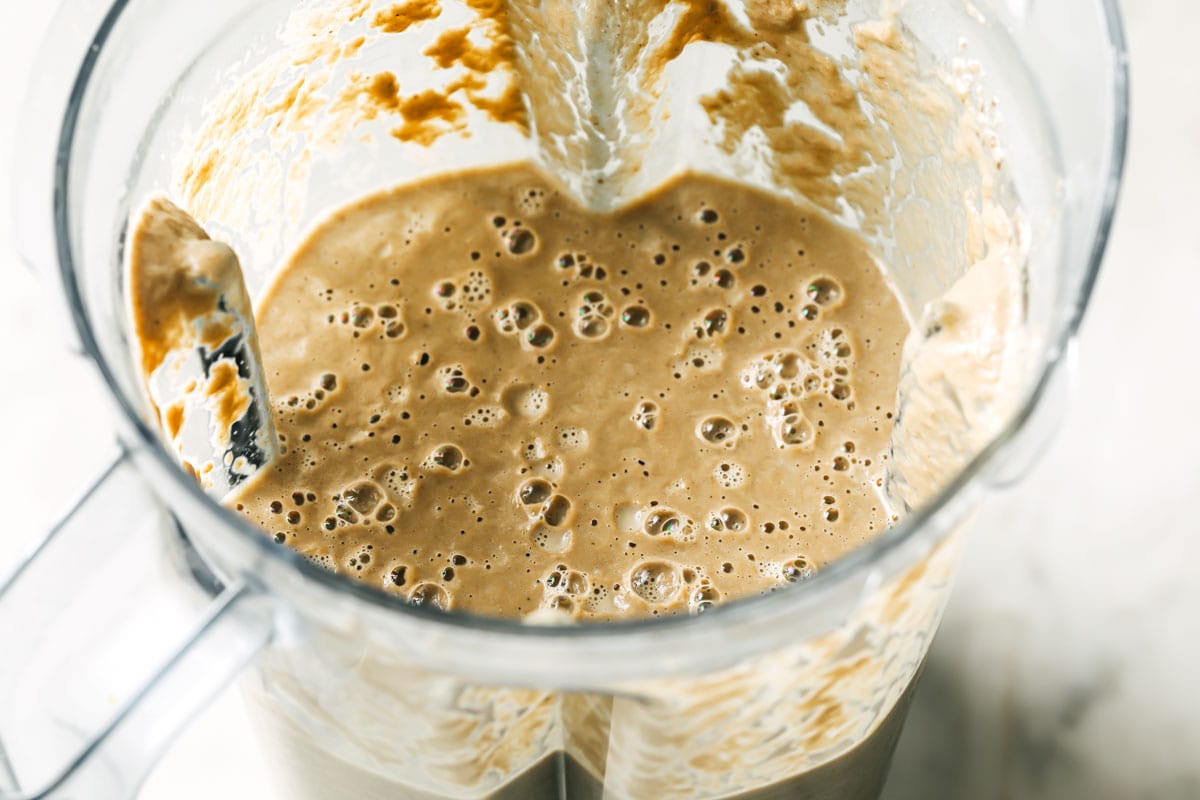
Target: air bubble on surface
[(645, 415), (516, 316), (534, 492), (430, 595), (591, 327), (714, 323), (635, 317), (556, 511), (662, 521), (566, 581), (717, 430), (703, 598), (447, 457), (575, 583), (362, 497), (788, 365), (798, 569), (824, 291), (656, 582), (453, 380), (793, 430), (728, 519), (520, 241), (592, 315), (540, 336)]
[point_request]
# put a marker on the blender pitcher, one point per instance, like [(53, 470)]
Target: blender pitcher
[(1005, 141)]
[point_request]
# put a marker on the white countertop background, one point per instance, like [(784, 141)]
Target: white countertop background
[(1068, 665)]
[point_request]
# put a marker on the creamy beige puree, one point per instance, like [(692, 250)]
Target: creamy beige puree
[(492, 399)]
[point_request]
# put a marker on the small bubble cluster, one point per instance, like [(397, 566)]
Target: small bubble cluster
[(728, 519), (567, 591), (384, 320), (453, 380), (553, 540), (572, 438), (729, 474), (797, 569), (714, 323), (525, 401), (698, 358), (524, 320), (580, 267), (326, 385), (788, 378), (593, 315), (476, 288), (486, 417), (531, 200)]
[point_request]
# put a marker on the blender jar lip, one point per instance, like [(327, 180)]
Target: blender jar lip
[(849, 565)]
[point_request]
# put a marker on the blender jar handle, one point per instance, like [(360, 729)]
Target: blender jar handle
[(105, 651)]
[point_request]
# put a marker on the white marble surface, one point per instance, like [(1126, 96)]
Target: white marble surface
[(1067, 666)]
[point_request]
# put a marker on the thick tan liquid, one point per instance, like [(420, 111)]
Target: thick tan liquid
[(494, 400)]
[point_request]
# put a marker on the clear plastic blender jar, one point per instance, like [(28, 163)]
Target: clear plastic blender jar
[(234, 107)]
